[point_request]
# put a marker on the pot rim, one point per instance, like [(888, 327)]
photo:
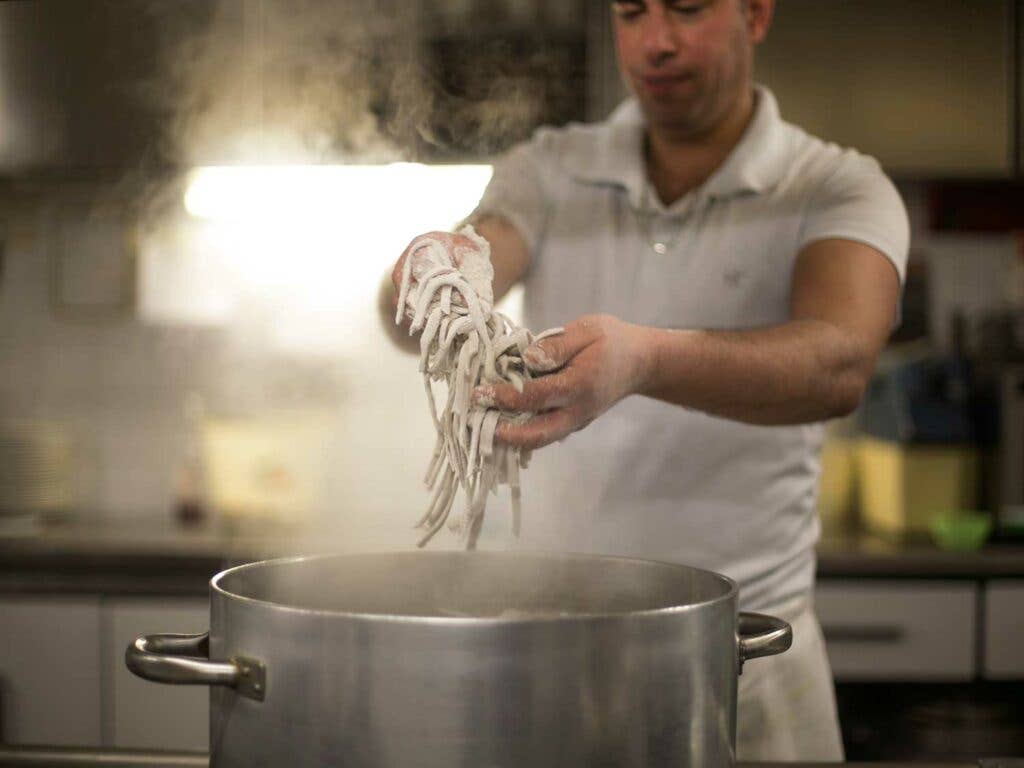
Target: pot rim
[(488, 621)]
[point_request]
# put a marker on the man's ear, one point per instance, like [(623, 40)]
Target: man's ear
[(758, 15)]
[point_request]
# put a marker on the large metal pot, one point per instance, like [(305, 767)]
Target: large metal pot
[(480, 659)]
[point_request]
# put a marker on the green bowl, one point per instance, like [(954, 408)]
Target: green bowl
[(960, 530)]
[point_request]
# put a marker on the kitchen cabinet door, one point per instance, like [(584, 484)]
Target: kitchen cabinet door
[(50, 684), (924, 86), (145, 715), (898, 629), (1004, 629)]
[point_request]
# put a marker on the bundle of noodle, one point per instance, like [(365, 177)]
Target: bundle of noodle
[(464, 342)]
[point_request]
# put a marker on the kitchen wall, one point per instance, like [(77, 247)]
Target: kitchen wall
[(121, 386)]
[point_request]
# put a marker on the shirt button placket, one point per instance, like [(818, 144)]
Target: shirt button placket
[(665, 234)]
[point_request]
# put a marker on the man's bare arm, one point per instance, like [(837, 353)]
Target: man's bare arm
[(813, 367)]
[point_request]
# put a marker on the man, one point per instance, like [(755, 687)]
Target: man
[(737, 274)]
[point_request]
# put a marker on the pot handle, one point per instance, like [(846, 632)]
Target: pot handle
[(761, 635), (185, 660)]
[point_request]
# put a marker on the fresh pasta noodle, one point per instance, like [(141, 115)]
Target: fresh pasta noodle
[(464, 342)]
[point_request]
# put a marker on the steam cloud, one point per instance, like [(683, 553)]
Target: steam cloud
[(268, 81)]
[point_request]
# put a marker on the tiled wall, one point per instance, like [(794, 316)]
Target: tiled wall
[(121, 385)]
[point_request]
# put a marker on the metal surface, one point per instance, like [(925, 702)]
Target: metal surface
[(439, 659), (94, 106), (760, 636), (184, 660), (54, 757), (61, 757)]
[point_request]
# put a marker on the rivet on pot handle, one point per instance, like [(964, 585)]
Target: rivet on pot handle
[(185, 660), (761, 635)]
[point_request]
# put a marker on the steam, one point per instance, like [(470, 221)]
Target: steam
[(314, 81), (269, 82), (261, 82), (304, 82)]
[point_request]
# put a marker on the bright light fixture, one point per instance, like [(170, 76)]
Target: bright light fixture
[(253, 195), (314, 241)]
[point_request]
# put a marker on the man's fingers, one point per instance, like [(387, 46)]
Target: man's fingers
[(554, 352), (540, 394), (543, 429), (462, 246), (396, 274), (456, 247), (545, 355), (392, 298)]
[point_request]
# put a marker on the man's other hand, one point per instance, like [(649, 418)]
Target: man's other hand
[(582, 372)]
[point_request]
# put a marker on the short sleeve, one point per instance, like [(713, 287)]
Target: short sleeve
[(857, 201), (516, 192)]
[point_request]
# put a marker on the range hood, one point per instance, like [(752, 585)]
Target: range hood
[(74, 78), (127, 84), (133, 84)]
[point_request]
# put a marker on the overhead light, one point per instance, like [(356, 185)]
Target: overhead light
[(314, 241), (341, 194)]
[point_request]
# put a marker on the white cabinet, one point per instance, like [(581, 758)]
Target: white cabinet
[(1004, 629), (63, 680), (899, 630), (50, 680), (147, 715)]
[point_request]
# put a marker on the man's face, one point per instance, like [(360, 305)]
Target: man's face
[(688, 61)]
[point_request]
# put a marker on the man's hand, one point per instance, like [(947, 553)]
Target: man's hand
[(594, 363), (509, 260), (456, 246)]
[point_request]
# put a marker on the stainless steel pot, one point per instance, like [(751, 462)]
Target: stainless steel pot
[(480, 659)]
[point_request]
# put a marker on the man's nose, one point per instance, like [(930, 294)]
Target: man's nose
[(659, 40)]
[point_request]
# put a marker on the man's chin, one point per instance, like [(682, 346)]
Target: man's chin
[(674, 116)]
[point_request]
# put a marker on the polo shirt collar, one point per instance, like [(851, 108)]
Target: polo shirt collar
[(615, 155)]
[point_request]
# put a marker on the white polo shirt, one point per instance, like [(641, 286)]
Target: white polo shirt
[(654, 480)]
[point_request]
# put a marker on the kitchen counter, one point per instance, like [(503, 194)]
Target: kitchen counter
[(10, 757), (131, 557), (162, 558), (862, 555)]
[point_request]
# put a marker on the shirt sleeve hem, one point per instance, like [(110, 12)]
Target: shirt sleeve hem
[(886, 249)]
